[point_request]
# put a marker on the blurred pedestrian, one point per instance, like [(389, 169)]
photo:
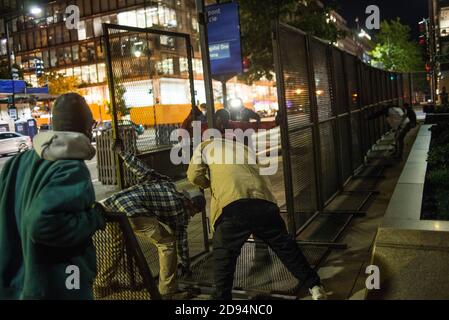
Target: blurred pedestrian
[(243, 204), (48, 211)]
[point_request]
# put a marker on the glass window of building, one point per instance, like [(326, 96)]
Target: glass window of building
[(93, 73), (104, 5), (87, 8), (59, 34), (46, 59), (99, 47), (75, 53), (151, 16), (73, 35), (183, 65), (85, 74), (53, 59), (127, 18), (112, 4), (98, 31), (23, 42), (60, 55), (68, 55), (83, 53), (3, 50), (44, 37), (141, 18), (121, 3), (81, 30), (77, 72), (130, 2), (80, 4), (89, 29), (37, 38), (91, 51), (30, 40), (66, 34), (101, 72), (51, 36), (96, 6)]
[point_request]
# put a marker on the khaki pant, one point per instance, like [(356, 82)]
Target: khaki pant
[(159, 235), (165, 241)]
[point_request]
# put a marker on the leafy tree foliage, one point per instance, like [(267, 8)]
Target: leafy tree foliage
[(256, 17), (395, 50)]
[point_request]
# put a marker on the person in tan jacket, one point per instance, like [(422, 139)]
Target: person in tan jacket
[(242, 204)]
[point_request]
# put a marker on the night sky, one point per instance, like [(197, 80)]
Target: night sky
[(410, 11)]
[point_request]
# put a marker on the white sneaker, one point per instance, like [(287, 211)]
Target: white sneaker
[(318, 293)]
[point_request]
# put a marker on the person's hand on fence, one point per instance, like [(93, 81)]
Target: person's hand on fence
[(98, 207), (118, 147)]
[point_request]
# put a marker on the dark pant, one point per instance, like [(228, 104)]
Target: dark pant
[(262, 219)]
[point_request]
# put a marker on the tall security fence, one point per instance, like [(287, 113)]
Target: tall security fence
[(326, 100), (143, 67)]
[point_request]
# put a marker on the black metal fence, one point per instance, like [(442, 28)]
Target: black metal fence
[(325, 98), (138, 61)]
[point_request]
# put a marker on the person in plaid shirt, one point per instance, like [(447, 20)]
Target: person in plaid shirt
[(159, 211)]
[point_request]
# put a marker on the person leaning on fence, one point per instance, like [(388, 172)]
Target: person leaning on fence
[(243, 204), (158, 211), (399, 123), (48, 211)]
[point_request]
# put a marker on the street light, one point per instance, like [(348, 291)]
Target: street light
[(36, 11)]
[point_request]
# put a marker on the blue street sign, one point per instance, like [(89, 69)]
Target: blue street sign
[(223, 27), (12, 86)]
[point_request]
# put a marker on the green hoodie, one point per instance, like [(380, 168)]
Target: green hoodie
[(47, 221)]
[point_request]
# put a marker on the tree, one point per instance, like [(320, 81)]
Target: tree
[(120, 103), (256, 19), (59, 83), (395, 50)]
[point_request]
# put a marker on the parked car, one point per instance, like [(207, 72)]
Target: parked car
[(12, 142), (100, 127)]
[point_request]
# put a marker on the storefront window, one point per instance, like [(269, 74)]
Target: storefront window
[(112, 4), (58, 34), (23, 42)]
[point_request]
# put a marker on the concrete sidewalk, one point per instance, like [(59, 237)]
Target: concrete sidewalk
[(343, 272)]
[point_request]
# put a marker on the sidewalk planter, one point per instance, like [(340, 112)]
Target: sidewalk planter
[(412, 254)]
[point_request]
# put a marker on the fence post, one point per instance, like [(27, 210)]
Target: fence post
[(286, 156), (315, 129)]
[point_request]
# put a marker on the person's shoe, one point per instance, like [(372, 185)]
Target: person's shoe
[(318, 293), (179, 295)]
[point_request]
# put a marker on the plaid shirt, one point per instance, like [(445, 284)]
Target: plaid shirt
[(154, 195)]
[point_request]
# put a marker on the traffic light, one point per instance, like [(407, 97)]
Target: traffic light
[(39, 67), (423, 33), (246, 64)]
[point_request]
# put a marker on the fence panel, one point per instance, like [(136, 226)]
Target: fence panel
[(326, 116), (297, 136)]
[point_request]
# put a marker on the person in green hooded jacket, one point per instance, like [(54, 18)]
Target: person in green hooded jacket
[(48, 213)]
